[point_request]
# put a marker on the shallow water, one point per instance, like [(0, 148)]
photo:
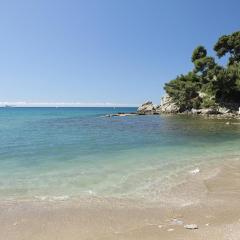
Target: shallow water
[(69, 152)]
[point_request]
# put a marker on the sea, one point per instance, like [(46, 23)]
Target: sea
[(66, 153)]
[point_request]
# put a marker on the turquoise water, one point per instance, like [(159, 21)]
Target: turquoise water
[(71, 152)]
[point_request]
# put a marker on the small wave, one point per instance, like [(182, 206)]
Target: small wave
[(52, 198), (91, 192), (195, 171)]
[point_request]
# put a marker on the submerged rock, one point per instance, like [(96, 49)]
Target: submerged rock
[(120, 114)]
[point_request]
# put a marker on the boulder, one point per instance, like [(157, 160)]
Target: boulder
[(147, 108), (223, 110), (196, 111), (206, 111)]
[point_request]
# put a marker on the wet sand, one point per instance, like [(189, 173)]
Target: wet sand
[(210, 199)]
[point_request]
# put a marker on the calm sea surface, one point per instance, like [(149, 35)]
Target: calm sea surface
[(71, 152)]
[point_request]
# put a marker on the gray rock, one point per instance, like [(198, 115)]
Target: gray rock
[(187, 112), (191, 226), (147, 108), (223, 110), (204, 111), (196, 111), (208, 111), (167, 105), (147, 103)]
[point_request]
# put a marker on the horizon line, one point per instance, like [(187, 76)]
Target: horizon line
[(64, 104)]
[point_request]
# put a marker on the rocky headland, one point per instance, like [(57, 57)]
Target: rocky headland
[(168, 106), (209, 89)]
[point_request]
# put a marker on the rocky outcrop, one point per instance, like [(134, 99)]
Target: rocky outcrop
[(167, 105), (147, 108)]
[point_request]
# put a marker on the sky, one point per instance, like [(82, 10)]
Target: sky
[(103, 52)]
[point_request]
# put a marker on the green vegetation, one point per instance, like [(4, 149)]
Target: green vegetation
[(210, 84)]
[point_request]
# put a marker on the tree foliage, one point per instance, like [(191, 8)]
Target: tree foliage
[(184, 91), (210, 84), (229, 44)]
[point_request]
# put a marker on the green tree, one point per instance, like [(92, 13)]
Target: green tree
[(229, 44), (209, 84), (184, 91), (199, 52)]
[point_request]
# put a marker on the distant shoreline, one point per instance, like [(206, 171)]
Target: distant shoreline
[(1, 107)]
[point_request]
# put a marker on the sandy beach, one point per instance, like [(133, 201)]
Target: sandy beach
[(119, 120), (211, 200)]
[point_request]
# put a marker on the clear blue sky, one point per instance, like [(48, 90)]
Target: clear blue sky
[(103, 50)]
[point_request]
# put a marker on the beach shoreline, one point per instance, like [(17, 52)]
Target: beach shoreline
[(215, 210)]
